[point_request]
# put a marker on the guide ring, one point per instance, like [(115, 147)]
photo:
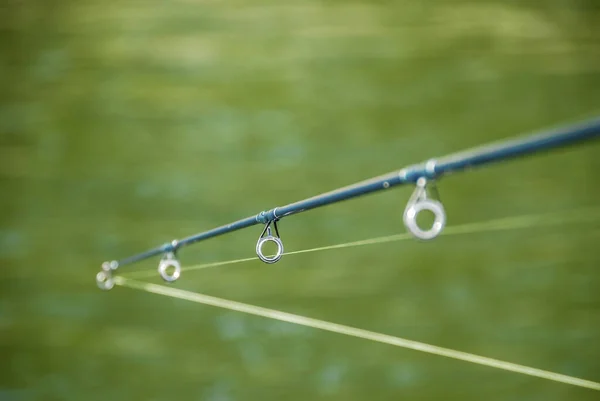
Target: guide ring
[(104, 278), (269, 259), (169, 261), (269, 238), (410, 218)]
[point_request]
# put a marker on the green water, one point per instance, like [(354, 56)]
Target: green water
[(126, 124)]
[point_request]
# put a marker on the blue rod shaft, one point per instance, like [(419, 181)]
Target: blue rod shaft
[(433, 168)]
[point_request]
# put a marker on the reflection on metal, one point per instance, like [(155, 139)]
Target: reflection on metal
[(420, 174)]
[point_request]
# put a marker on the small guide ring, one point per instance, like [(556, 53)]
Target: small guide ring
[(410, 218), (165, 264), (269, 259), (104, 280)]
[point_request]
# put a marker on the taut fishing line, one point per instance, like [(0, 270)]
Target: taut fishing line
[(584, 215), (353, 332)]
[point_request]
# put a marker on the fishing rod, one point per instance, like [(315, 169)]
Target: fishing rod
[(423, 175)]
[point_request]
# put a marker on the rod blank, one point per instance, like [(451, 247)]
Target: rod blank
[(431, 169)]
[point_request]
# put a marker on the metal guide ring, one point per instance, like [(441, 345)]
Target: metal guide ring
[(167, 262), (269, 259), (104, 280), (410, 218)]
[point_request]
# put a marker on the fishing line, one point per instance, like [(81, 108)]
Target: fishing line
[(425, 197), (353, 332), (585, 215)]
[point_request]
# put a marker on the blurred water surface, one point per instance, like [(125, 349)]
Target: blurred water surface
[(125, 124)]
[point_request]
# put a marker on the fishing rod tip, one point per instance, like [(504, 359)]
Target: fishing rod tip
[(104, 278)]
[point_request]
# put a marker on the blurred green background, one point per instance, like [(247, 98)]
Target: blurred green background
[(124, 124)]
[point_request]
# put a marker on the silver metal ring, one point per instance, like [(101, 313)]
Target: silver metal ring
[(165, 264), (410, 218), (104, 280), (269, 259)]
